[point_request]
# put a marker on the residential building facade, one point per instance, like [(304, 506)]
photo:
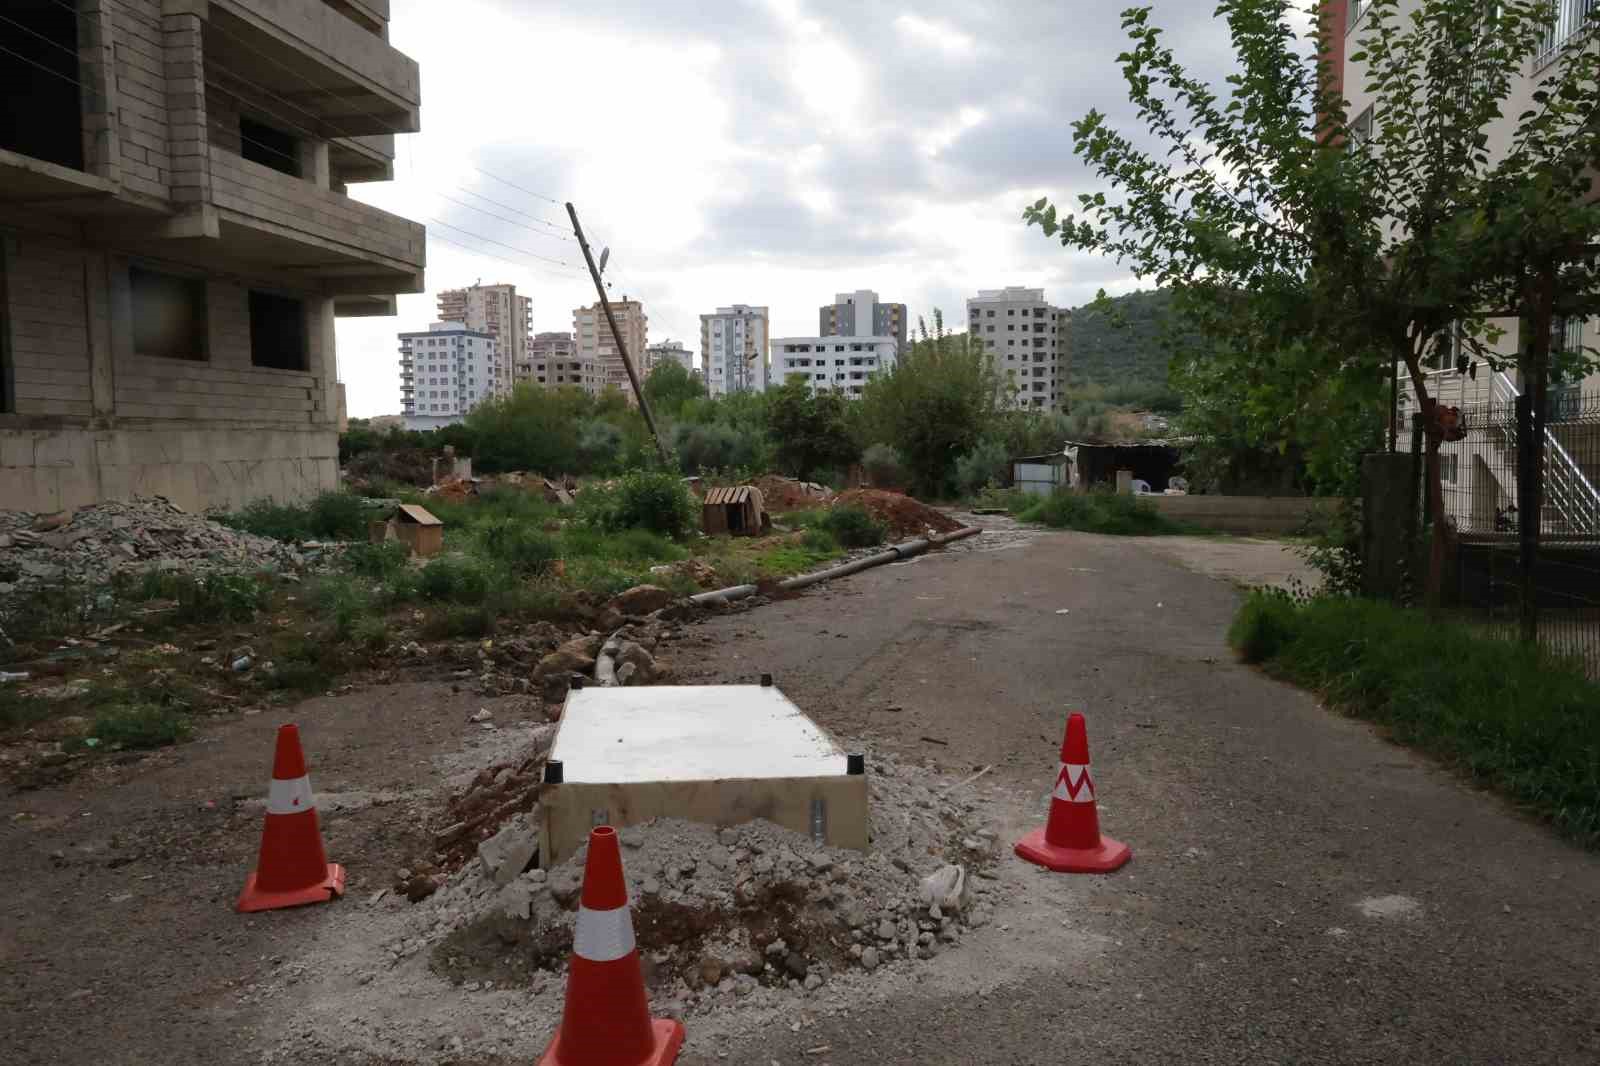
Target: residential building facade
[(597, 344), (553, 363), (1479, 472), (859, 314), (670, 352), (833, 364), (733, 349), (176, 243), (1028, 340), (446, 372), (498, 311)]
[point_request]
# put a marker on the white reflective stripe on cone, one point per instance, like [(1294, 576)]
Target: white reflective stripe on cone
[(290, 797), (603, 936), (1073, 784)]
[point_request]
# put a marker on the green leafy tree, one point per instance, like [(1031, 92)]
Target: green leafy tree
[(1315, 258), (811, 431), (671, 385), (934, 406)]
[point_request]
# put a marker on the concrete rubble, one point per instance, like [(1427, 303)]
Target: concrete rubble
[(735, 919), (92, 544)]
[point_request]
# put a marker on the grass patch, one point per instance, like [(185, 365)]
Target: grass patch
[(1510, 717), (140, 725), (791, 559), (1102, 512)]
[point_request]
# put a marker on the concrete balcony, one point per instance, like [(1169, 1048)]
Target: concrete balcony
[(340, 245), (321, 61)]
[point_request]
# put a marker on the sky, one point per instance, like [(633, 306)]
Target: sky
[(765, 152)]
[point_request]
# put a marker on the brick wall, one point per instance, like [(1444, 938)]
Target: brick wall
[(140, 87), (49, 328)]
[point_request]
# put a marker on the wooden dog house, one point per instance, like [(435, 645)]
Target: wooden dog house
[(732, 509)]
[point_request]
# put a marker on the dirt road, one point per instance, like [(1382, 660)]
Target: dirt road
[(1301, 890)]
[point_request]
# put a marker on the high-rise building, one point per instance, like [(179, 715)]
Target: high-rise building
[(733, 350), (553, 363), (596, 343), (833, 364), (1027, 339), (446, 372), (859, 314), (671, 352), (498, 311)]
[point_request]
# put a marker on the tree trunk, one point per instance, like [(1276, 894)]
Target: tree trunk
[(1437, 543), (1538, 317)]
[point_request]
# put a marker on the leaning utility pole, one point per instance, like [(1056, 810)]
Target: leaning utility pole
[(622, 347)]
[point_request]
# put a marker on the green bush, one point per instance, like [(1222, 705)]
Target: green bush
[(652, 500), (820, 541), (1508, 715), (853, 527), (343, 602), (987, 463), (140, 725), (331, 516), (371, 633), (455, 579), (1263, 626), (885, 466), (1101, 512), (524, 550)]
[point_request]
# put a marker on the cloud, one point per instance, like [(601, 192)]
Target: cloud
[(751, 151)]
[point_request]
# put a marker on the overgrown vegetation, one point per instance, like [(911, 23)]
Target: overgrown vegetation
[(852, 527), (1507, 715), (1101, 512), (330, 516)]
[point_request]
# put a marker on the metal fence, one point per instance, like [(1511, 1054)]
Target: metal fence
[(1480, 476)]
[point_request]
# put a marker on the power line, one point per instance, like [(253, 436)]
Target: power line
[(502, 244)]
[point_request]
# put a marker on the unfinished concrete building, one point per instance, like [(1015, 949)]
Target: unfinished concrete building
[(176, 241)]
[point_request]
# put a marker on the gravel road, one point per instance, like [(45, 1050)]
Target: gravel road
[(1301, 891)]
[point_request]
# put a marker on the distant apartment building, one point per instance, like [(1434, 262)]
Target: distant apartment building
[(670, 352), (446, 372), (553, 363), (859, 314), (1027, 338), (833, 364), (733, 350), (177, 243), (498, 311), (595, 342)]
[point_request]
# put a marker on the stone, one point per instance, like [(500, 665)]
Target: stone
[(642, 599), (711, 970), (563, 661), (886, 930), (813, 982), (796, 965), (627, 674), (565, 885), (869, 959), (746, 962), (729, 836), (634, 654), (508, 852), (945, 888), (777, 947), (516, 900)]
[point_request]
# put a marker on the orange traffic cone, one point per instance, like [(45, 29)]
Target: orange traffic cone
[(293, 869), (606, 1020), (1071, 842)]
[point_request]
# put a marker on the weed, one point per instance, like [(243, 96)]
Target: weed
[(853, 527), (217, 598), (371, 633), (524, 550), (306, 664), (820, 542), (140, 725), (455, 579), (17, 710), (331, 516), (380, 561), (790, 559), (657, 501), (1508, 715), (1012, 501), (450, 623), (1102, 512)]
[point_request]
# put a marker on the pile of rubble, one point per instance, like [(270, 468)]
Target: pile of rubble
[(780, 494), (91, 544), (904, 516), (720, 914)]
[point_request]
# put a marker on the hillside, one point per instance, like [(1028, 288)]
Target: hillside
[(1111, 353)]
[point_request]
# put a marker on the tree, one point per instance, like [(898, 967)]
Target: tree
[(1316, 259), (934, 405), (671, 385), (810, 429)]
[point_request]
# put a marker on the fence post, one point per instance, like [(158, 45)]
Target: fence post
[(1530, 507)]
